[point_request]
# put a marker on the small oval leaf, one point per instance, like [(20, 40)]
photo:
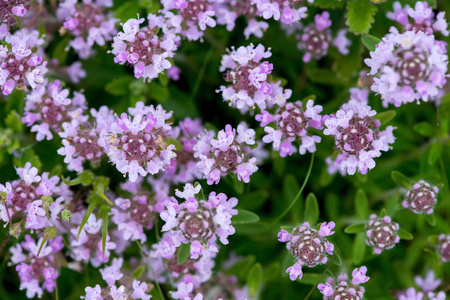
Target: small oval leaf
[(184, 251), (385, 116), (370, 41), (244, 217), (361, 205), (434, 153), (424, 128), (359, 248), (254, 279), (310, 278), (405, 235), (430, 219), (355, 228), (311, 209), (401, 180), (200, 195)]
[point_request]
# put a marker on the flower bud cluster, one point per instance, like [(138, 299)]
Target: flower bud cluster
[(343, 288), (444, 247), (421, 198), (381, 233), (288, 11), (9, 9)]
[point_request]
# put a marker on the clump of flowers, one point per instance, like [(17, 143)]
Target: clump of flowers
[(292, 123), (9, 9), (444, 247), (287, 11), (89, 23), (419, 18), (408, 67), (427, 285), (248, 77), (143, 48), (19, 66), (316, 38), (29, 199), (381, 233), (199, 222), (421, 198), (357, 137), (136, 143), (192, 18), (229, 153), (83, 141), (345, 288), (308, 246), (48, 107), (39, 268)]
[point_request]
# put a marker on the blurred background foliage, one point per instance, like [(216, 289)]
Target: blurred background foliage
[(420, 151)]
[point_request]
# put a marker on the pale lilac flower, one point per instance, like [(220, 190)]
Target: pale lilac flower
[(408, 67), (308, 246), (143, 48), (381, 233), (427, 285), (229, 153), (199, 222), (444, 247), (288, 11), (361, 95), (344, 288), (292, 122), (19, 66), (357, 137), (89, 22), (421, 198), (174, 73), (248, 76), (76, 72)]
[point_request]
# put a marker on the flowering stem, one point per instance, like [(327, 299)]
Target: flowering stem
[(320, 279), (151, 270), (299, 192)]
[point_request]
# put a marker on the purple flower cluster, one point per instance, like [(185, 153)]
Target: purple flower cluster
[(19, 66), (39, 268), (9, 9), (419, 18), (48, 107), (381, 233), (136, 144), (315, 38), (444, 247), (408, 67), (229, 153), (292, 123), (29, 198), (357, 138), (88, 22), (143, 48), (344, 288), (288, 11), (421, 198), (248, 77), (308, 246), (199, 222), (427, 285)]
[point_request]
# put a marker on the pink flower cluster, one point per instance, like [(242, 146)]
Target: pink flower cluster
[(199, 221), (427, 286), (308, 246), (381, 233), (9, 9), (343, 288), (421, 198), (357, 138), (287, 11)]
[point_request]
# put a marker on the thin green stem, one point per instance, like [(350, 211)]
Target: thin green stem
[(320, 279), (299, 192), (151, 270), (201, 74)]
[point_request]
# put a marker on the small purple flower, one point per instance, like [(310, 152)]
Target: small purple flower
[(143, 48), (136, 144), (427, 285), (421, 198), (444, 247), (381, 233), (288, 11), (76, 72), (248, 77), (89, 23), (11, 8), (408, 67), (292, 123), (357, 138), (199, 222), (308, 246), (229, 153), (344, 288)]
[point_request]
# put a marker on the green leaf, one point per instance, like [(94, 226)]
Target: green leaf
[(139, 272), (360, 15), (383, 213), (14, 121), (403, 234), (434, 239), (325, 177), (355, 228), (184, 251), (100, 184), (311, 209), (401, 180), (241, 268), (254, 279), (119, 86), (385, 117), (325, 76), (127, 10), (200, 195), (337, 259), (290, 187), (434, 153), (361, 205), (49, 233), (430, 219), (104, 215), (327, 4), (359, 248), (244, 217), (177, 144), (94, 201), (424, 128), (271, 272), (84, 178), (310, 278), (370, 41), (378, 1), (27, 155), (158, 92)]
